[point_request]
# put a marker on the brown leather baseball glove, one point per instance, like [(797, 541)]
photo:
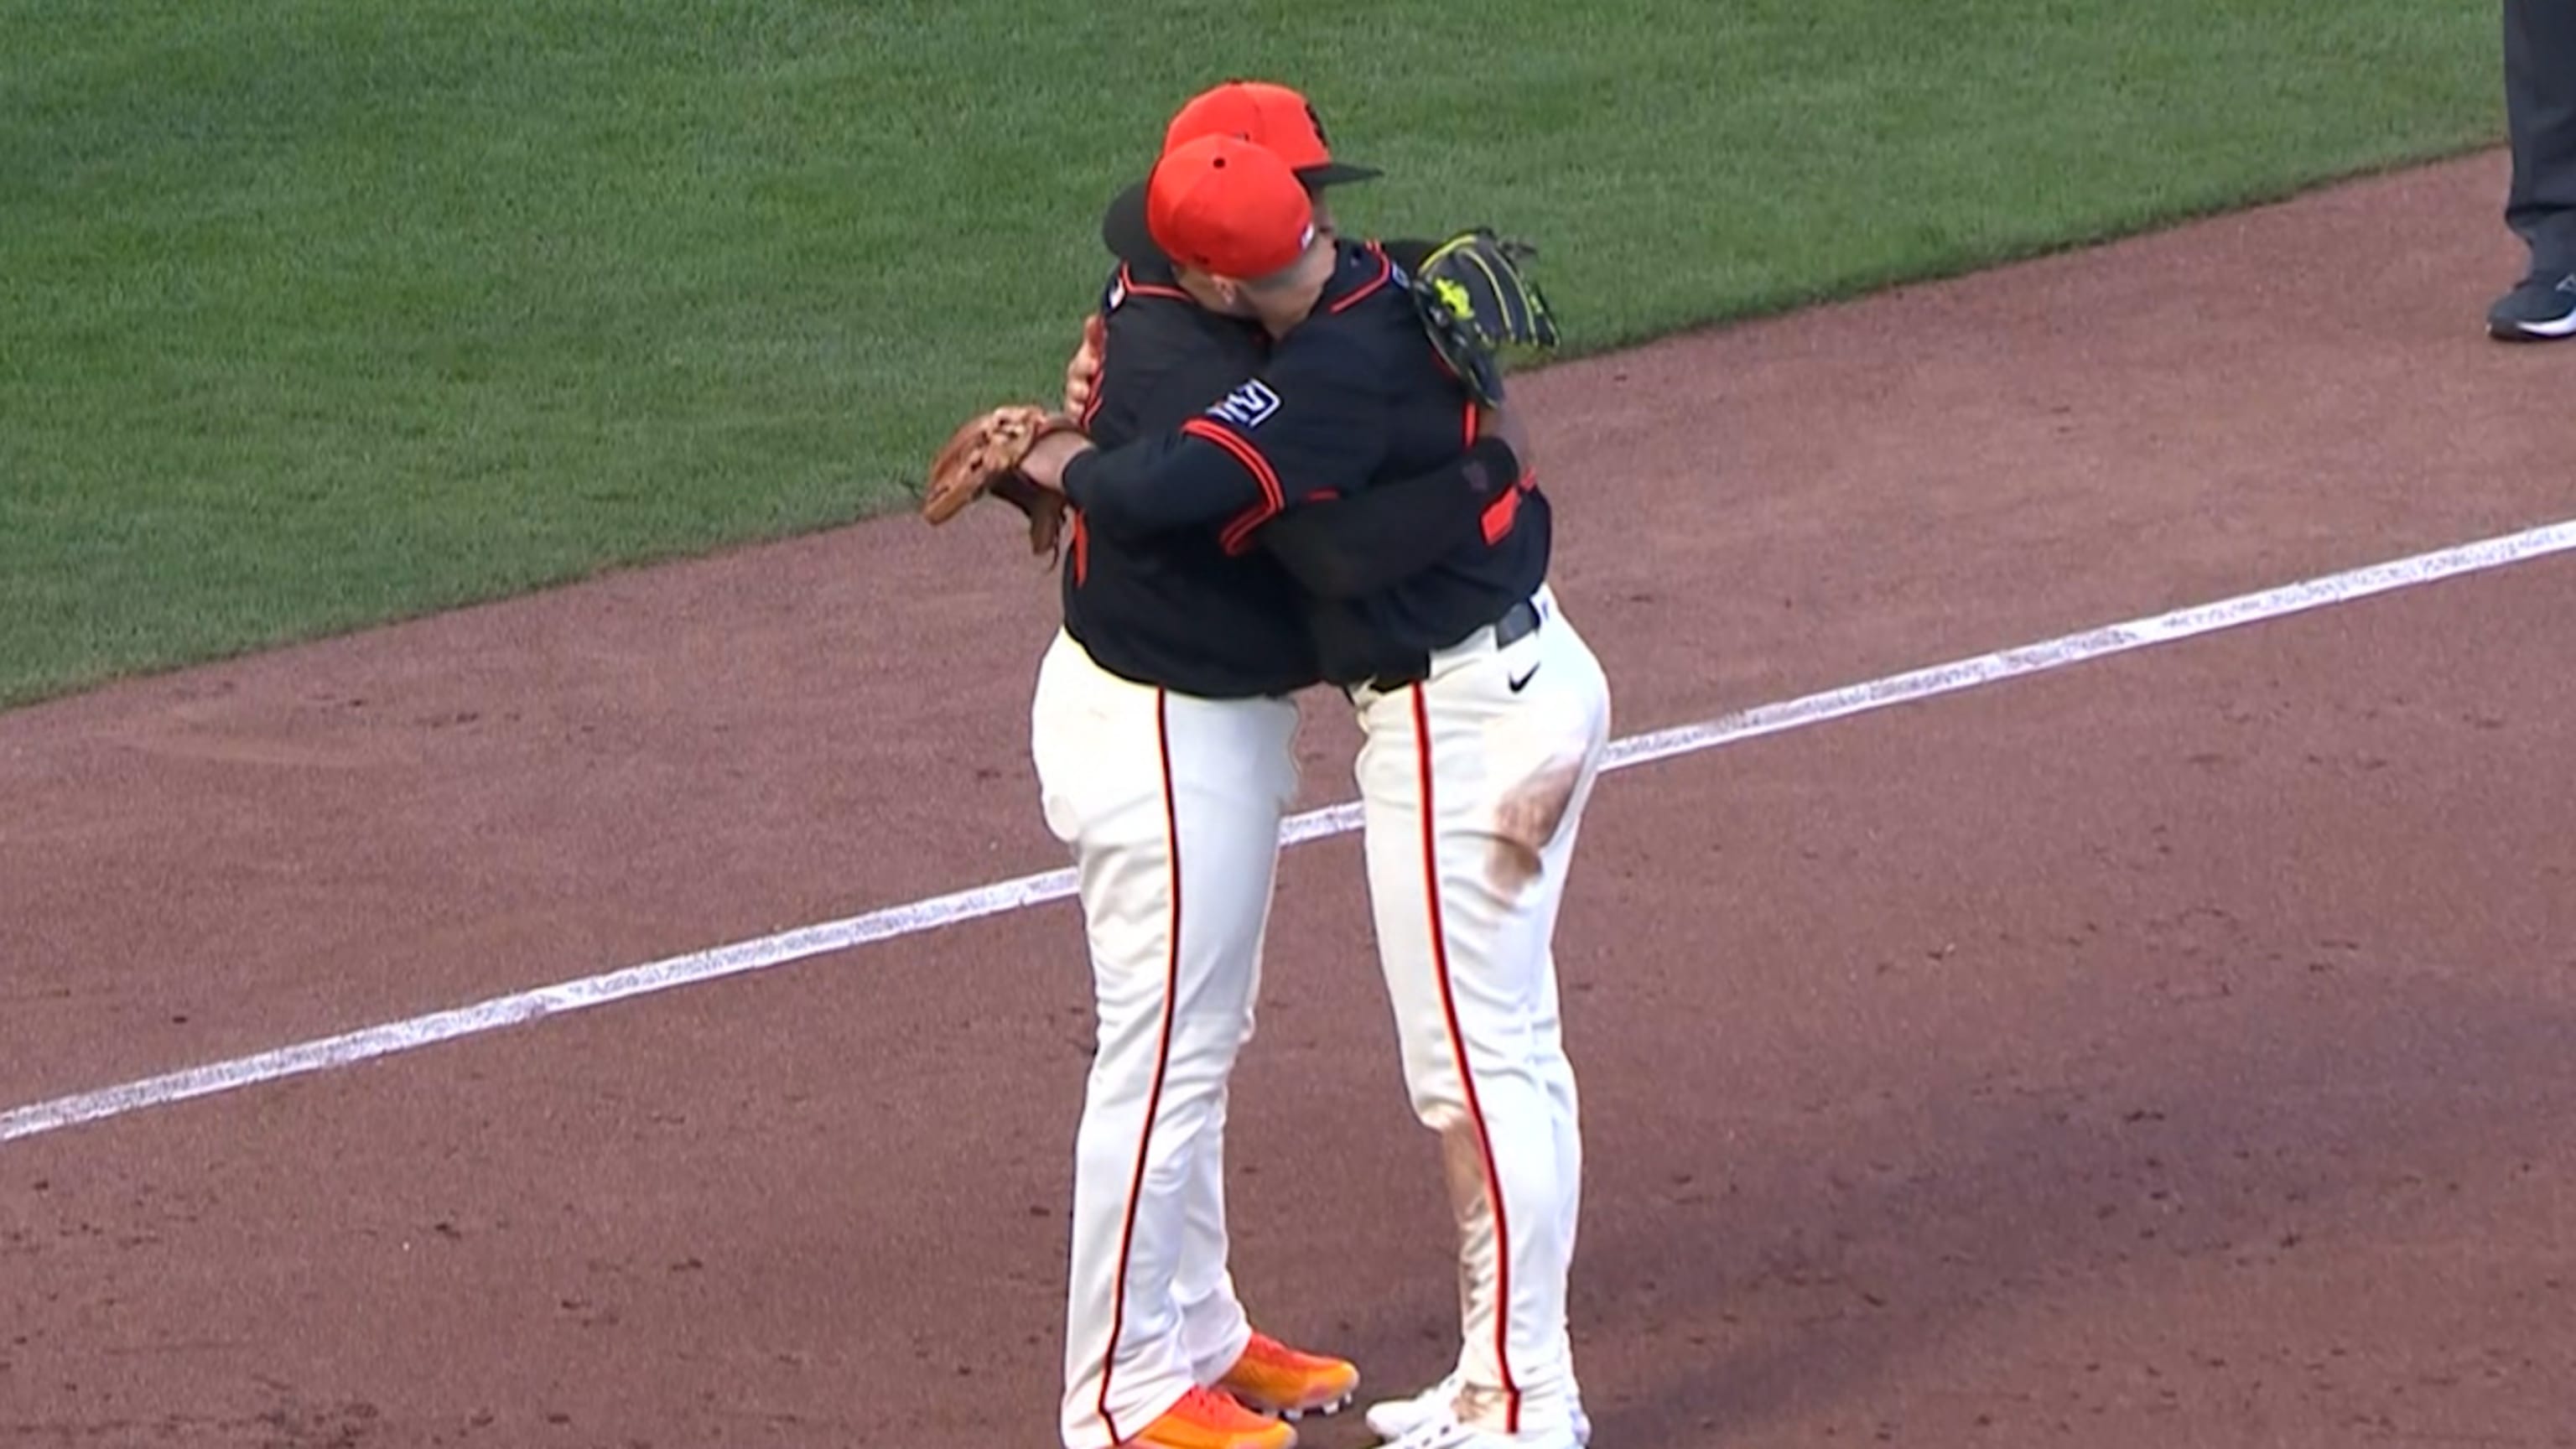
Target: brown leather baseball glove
[(983, 456)]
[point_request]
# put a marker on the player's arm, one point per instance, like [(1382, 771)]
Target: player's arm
[(1160, 484), (1312, 423), (1350, 547)]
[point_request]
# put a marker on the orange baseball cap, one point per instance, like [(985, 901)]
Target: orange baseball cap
[(1224, 205), (1266, 114), (1262, 112)]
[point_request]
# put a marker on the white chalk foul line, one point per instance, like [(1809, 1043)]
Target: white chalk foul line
[(1054, 885)]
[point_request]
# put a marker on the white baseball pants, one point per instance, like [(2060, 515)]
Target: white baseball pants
[(1172, 806), (1472, 793)]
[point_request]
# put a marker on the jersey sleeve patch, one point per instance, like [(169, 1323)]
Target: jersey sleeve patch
[(1248, 406)]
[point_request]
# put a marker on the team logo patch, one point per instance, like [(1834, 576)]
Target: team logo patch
[(1247, 406)]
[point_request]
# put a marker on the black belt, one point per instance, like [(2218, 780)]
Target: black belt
[(1517, 623)]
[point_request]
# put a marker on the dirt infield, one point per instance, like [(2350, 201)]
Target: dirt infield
[(2175, 1049)]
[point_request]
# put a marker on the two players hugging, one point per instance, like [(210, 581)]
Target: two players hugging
[(1477, 304)]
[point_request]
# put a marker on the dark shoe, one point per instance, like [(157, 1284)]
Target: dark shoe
[(2542, 309)]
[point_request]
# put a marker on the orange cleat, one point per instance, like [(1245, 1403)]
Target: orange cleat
[(1277, 1379), (1206, 1419)]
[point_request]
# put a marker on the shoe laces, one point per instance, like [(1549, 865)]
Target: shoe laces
[(1263, 1347), (1214, 1406)]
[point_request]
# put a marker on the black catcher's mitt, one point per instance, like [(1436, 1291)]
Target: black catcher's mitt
[(1480, 307)]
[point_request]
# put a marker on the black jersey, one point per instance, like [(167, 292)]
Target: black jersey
[(1173, 608), (1352, 398)]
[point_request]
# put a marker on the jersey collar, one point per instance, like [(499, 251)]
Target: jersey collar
[(1361, 269)]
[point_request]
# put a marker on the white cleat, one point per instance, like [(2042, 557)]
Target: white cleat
[(1448, 1433), (1396, 1421)]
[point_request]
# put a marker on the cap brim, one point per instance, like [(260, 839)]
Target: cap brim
[(1130, 238), (1336, 173), (1124, 229)]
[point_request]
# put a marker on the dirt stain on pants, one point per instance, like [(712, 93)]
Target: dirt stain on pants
[(1527, 820), (1462, 1156)]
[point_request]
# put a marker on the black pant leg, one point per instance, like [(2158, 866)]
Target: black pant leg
[(2540, 110)]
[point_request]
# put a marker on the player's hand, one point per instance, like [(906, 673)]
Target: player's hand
[(1082, 372), (1045, 462), (1505, 423)]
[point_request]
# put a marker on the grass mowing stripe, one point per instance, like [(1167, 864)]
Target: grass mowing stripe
[(315, 313)]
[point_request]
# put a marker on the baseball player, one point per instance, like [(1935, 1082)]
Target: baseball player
[(2540, 207), (1484, 714), (1162, 730)]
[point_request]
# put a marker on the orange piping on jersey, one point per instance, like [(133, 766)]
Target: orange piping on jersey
[(1503, 513), (1238, 534), (1136, 288), (1385, 272)]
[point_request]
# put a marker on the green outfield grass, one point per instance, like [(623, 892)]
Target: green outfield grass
[(315, 313)]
